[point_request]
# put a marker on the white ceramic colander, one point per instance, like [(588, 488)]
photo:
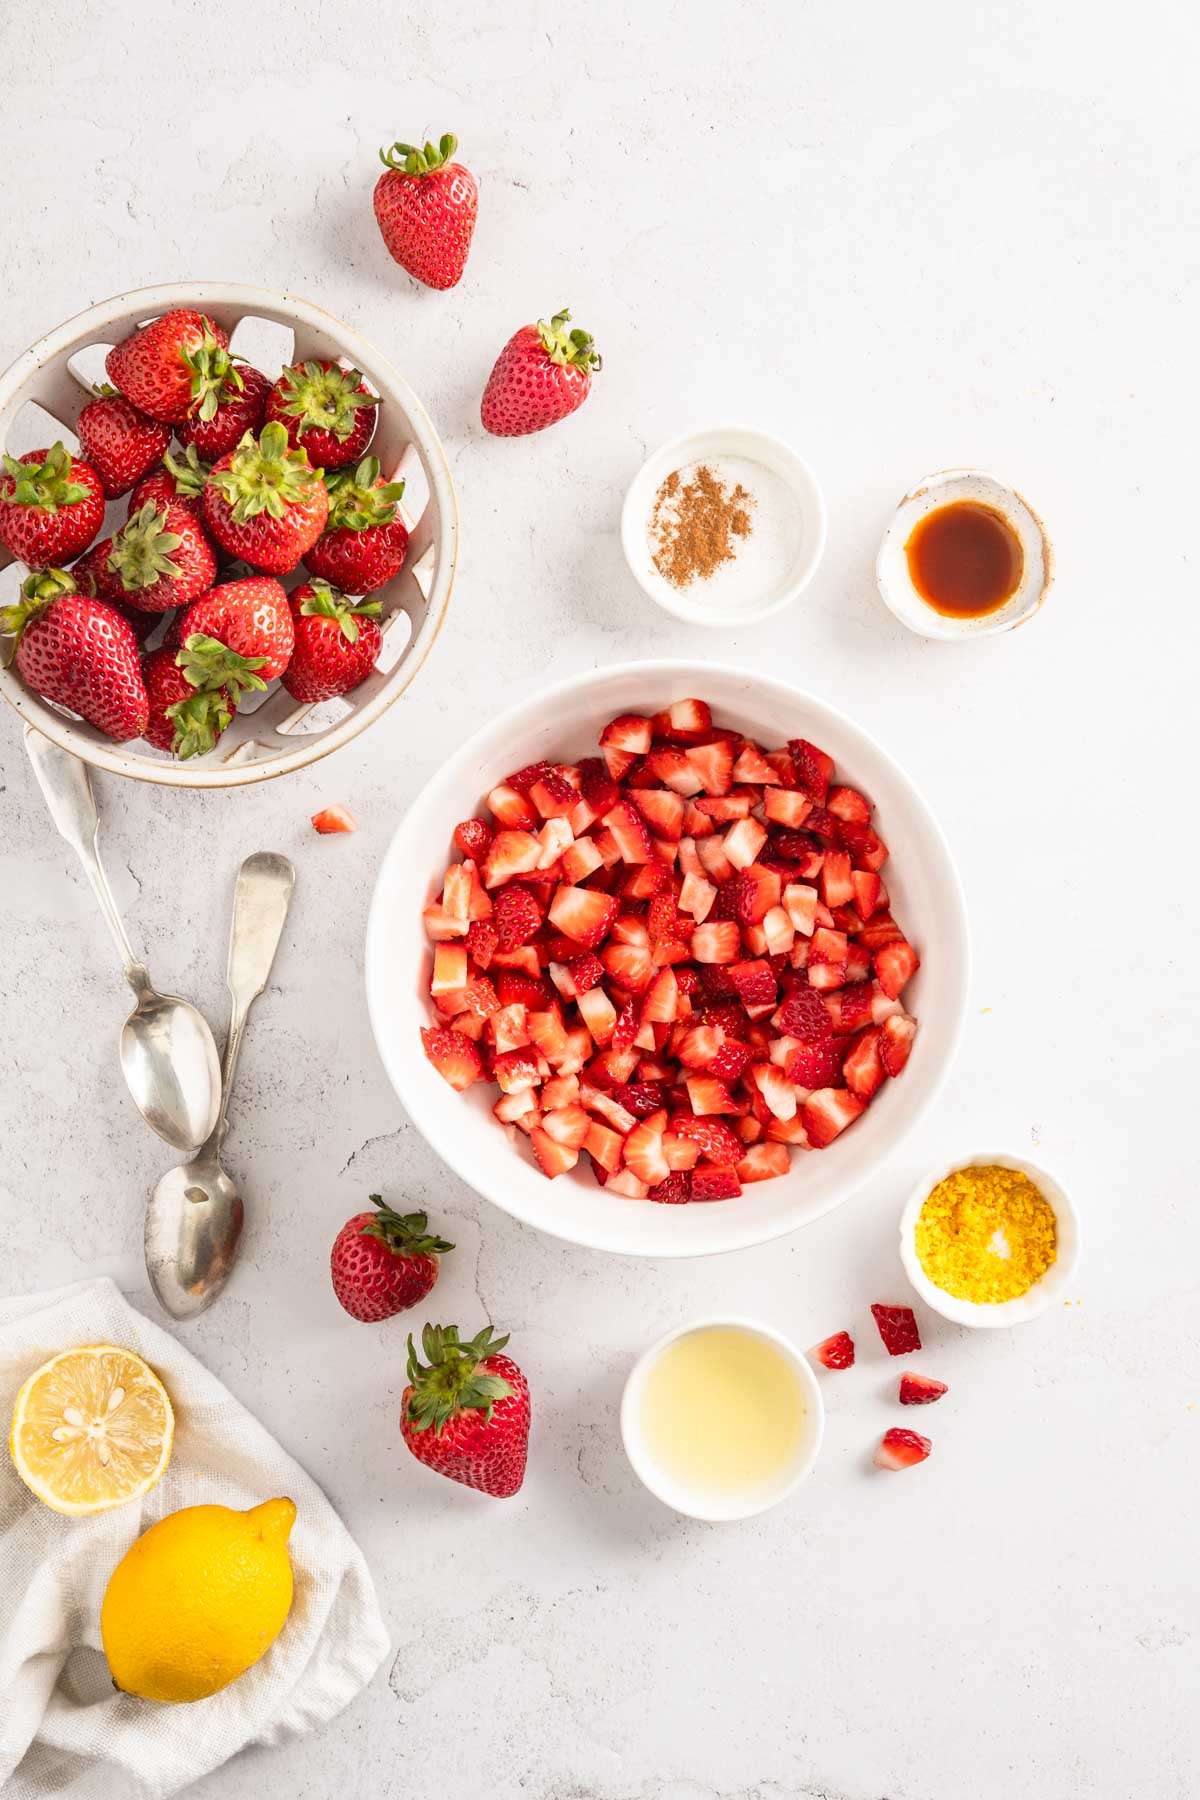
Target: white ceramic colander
[(278, 734)]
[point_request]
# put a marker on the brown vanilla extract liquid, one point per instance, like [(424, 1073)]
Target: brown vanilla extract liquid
[(964, 559)]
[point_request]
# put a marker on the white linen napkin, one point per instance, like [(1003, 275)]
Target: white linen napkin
[(63, 1729)]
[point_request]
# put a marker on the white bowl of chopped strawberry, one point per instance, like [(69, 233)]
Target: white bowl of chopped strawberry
[(685, 951)]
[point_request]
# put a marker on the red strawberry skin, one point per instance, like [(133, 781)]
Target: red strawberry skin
[(325, 448), (359, 562), (527, 390), (193, 558), (486, 1454), (324, 662), (45, 537), (120, 442), (82, 654), (427, 219), (373, 1281), (151, 369), (238, 410), (271, 544), (251, 616), (166, 686)]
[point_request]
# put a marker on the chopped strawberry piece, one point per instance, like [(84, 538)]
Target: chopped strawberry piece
[(626, 1182), (754, 982), (585, 972), (895, 965), (662, 809), (777, 1090), (684, 721), (672, 768), (641, 1098), (481, 942), (713, 1137), (715, 1184), (625, 1033), (862, 1069), (552, 795), (630, 732), (714, 765), (630, 966), (707, 1095), (449, 968), (524, 778), (629, 831), (696, 897), (803, 1016), (473, 837), (516, 987), (644, 1149), (848, 803), (555, 1158), (674, 1189), (900, 1449), (510, 808), (764, 1162), (730, 1060), (867, 849), (836, 1352), (814, 1065), (828, 1111), (920, 1390), (598, 1014), (898, 1329), (511, 853), (566, 1124), (849, 1008), (333, 819), (869, 894), (454, 1056), (837, 887), (604, 1146), (517, 918), (583, 914), (896, 1038), (813, 769), (716, 942)]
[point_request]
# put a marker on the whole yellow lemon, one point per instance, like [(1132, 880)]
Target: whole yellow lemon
[(198, 1599)]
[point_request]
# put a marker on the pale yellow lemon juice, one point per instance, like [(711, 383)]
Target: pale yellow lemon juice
[(721, 1417)]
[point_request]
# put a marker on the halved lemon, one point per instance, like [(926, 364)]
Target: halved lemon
[(91, 1429)]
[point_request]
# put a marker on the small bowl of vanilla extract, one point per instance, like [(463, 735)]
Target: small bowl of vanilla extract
[(965, 556)]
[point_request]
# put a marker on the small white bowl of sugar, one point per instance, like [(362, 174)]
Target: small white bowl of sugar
[(723, 527)]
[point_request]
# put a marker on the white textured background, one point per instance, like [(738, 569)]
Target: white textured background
[(904, 238)]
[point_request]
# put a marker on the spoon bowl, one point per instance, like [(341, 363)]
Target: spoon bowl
[(193, 1227), (171, 1068)]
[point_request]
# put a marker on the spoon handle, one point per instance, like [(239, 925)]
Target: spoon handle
[(261, 898), (64, 781)]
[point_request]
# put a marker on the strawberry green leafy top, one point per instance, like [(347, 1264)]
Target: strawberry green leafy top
[(358, 499), (410, 159), (265, 475), (406, 1233), (324, 397), (46, 484), (574, 348), (448, 1382), (142, 549), (37, 591), (326, 601)]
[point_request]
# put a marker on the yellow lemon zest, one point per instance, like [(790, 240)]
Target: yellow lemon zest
[(986, 1234)]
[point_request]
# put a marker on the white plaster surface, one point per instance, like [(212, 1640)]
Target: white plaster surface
[(903, 238)]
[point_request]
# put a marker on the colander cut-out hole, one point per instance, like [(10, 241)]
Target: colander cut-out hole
[(33, 428), (258, 698), (87, 366), (313, 719), (416, 485), (397, 636), (264, 343)]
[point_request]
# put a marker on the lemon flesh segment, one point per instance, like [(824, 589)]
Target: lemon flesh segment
[(198, 1600), (91, 1429)]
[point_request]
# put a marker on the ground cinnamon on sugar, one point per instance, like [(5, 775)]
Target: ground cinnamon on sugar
[(695, 525)]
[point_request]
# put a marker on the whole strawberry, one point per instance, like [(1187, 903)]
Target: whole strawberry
[(251, 619), (180, 481), (241, 407), (384, 1262), (185, 720), (337, 642), (465, 1412), (543, 373), (365, 539), (80, 653), (425, 206), (158, 560), (51, 506), (174, 368), (120, 442), (326, 410), (265, 502)]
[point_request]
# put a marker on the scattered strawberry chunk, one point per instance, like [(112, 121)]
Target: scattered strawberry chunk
[(334, 819), (517, 918), (895, 1043), (804, 1016), (674, 1189), (814, 1065), (920, 1390), (898, 1328), (836, 1352), (715, 1184), (473, 838), (900, 1449), (895, 965)]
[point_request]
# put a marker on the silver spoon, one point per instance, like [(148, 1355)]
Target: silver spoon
[(194, 1216), (168, 1056)]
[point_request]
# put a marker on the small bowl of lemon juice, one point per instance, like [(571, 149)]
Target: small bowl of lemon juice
[(722, 1418)]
